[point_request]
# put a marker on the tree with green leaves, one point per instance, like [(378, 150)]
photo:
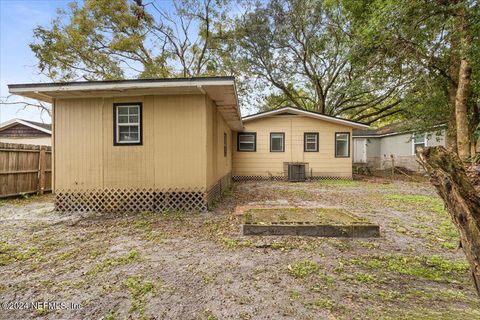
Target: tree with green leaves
[(437, 39), (115, 39), (305, 54), (367, 60)]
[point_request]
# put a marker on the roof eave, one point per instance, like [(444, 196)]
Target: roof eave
[(13, 122), (306, 113), (50, 91)]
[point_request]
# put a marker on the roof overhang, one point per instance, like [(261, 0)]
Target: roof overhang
[(14, 122), (221, 90), (396, 133), (306, 113), (380, 135)]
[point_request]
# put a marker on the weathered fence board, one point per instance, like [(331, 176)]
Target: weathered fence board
[(25, 169)]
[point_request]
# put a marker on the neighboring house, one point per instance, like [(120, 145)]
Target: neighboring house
[(169, 144), (377, 148), (26, 132), (273, 140)]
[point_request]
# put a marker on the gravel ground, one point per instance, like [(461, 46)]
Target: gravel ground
[(198, 266)]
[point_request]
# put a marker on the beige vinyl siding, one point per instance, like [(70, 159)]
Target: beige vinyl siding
[(217, 164), (180, 147), (265, 163), (173, 153), (129, 166), (79, 145)]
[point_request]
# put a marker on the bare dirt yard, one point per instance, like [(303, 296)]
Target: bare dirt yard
[(198, 266)]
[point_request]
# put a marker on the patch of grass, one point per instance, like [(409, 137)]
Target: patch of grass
[(67, 255), (448, 232), (402, 230), (10, 254), (282, 245), (302, 269), (433, 204), (359, 277), (390, 295), (109, 316), (342, 183), (340, 244), (95, 253), (325, 303), (41, 312), (295, 193), (235, 243), (318, 216), (138, 288), (326, 281), (209, 315), (428, 314), (434, 268), (444, 295), (111, 263), (294, 295)]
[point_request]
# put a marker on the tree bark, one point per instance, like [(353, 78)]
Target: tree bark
[(452, 93), (449, 177), (464, 78), (463, 135), (452, 123)]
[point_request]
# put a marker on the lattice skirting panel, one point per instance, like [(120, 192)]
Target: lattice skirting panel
[(130, 200), (283, 178), (215, 192)]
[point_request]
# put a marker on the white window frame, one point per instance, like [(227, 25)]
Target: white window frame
[(314, 134), (253, 143), (348, 144), (425, 139), (138, 124), (277, 135)]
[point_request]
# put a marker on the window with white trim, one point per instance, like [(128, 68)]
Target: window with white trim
[(310, 141), (128, 122), (247, 141), (418, 141), (342, 144), (277, 142)]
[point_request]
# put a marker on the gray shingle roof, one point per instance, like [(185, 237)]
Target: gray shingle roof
[(47, 126)]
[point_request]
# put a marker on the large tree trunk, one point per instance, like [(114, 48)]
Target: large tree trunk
[(448, 175), (452, 93), (463, 134), (452, 121), (464, 78)]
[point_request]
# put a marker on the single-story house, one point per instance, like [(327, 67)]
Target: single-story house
[(376, 148), (26, 132), (280, 142), (167, 144)]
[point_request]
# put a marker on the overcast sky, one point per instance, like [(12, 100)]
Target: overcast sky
[(18, 18)]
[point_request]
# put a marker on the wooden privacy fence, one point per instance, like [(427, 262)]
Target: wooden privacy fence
[(25, 169)]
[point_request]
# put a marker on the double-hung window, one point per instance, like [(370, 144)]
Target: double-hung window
[(419, 141), (310, 142), (127, 123), (247, 141), (277, 142), (342, 144)]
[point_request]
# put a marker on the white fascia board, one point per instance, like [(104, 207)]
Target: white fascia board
[(306, 113), (12, 122), (120, 86)]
